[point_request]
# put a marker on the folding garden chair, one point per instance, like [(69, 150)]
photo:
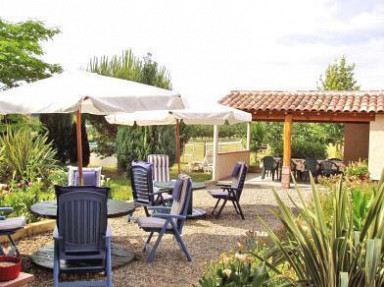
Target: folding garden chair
[(270, 165), (311, 166), (160, 167), (91, 176), (231, 192), (82, 236), (8, 226), (328, 168), (144, 194), (169, 220)]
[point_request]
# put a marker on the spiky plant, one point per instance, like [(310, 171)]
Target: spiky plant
[(336, 255)]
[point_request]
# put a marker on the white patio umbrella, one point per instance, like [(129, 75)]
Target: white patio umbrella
[(211, 115), (84, 92)]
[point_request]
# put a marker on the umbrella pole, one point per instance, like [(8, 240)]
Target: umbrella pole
[(178, 145), (79, 146)]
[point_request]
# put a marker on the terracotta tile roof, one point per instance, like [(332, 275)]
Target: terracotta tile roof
[(307, 101)]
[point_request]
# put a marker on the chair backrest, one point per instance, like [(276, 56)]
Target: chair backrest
[(91, 176), (181, 197), (160, 167), (238, 176), (142, 182), (268, 162), (208, 159), (311, 165), (328, 165), (82, 221)]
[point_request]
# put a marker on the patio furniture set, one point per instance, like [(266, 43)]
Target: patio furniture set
[(82, 237), (301, 168)]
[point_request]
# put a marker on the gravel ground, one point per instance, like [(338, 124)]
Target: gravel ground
[(206, 239)]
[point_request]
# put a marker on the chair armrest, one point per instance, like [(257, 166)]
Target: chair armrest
[(169, 216), (160, 191), (223, 185), (6, 209), (159, 208)]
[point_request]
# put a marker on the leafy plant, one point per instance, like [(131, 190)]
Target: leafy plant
[(26, 155), (332, 255), (357, 169)]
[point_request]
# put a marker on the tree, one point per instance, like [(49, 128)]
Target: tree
[(132, 142), (20, 52), (338, 77)]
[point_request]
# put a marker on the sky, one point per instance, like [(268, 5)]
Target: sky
[(213, 46)]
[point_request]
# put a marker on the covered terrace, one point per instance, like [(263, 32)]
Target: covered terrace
[(362, 112)]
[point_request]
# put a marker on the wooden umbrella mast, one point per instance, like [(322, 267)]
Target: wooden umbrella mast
[(79, 146)]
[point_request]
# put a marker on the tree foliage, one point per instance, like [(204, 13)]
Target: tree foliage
[(21, 51)]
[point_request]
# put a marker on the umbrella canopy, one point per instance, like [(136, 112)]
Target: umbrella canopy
[(88, 92), (84, 92), (214, 115)]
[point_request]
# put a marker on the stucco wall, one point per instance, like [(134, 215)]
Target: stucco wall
[(226, 161), (356, 142), (376, 147)]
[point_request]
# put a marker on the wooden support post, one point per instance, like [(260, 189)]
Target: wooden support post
[(79, 147), (215, 151), (178, 145), (286, 169), (248, 136)]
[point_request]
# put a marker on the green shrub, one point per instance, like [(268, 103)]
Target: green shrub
[(25, 155), (302, 148), (332, 255), (357, 170)]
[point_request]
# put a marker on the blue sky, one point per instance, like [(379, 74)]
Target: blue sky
[(213, 46)]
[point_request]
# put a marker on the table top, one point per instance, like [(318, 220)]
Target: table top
[(170, 185), (116, 208)]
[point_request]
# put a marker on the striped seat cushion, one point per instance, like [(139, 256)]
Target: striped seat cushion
[(12, 223), (218, 193), (152, 223)]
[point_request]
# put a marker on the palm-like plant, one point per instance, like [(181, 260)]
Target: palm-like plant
[(26, 155), (336, 255)]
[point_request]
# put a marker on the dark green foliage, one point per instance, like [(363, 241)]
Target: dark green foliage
[(136, 143), (20, 52), (59, 127)]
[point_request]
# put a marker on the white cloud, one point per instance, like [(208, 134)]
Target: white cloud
[(212, 46)]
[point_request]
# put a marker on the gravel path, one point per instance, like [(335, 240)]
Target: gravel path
[(206, 239)]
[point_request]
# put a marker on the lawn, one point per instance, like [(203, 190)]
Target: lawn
[(121, 185)]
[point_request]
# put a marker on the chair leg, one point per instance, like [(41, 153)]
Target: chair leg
[(109, 263), (151, 255), (214, 208), (146, 211), (56, 265), (221, 208), (234, 205), (240, 210), (13, 249), (147, 242), (263, 173), (182, 245)]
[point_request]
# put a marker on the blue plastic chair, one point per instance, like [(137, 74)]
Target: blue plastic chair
[(144, 194), (8, 226), (169, 220), (82, 236), (231, 192)]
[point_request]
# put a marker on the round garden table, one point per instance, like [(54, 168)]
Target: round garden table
[(48, 209), (193, 213)]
